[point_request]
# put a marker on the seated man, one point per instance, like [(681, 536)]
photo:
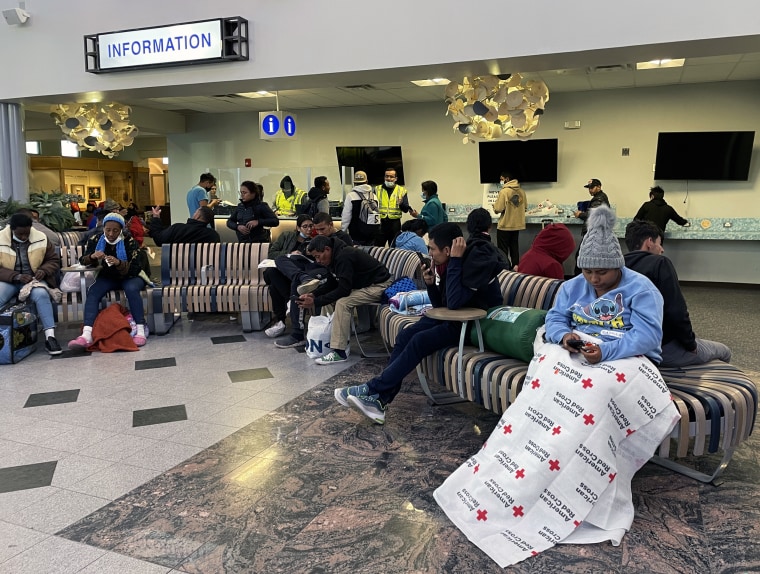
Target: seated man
[(445, 282), (551, 247), (195, 230), (360, 279), (680, 346), (27, 258), (410, 238), (323, 225)]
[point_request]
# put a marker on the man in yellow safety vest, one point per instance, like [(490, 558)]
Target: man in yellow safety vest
[(392, 202)]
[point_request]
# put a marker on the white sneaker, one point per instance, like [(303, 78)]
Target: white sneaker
[(275, 330)]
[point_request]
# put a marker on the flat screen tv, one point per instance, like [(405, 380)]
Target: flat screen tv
[(373, 160), (531, 160), (703, 155)]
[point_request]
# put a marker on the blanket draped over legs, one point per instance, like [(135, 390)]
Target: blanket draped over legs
[(558, 466)]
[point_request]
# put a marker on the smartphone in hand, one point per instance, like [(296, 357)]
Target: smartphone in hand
[(424, 261)]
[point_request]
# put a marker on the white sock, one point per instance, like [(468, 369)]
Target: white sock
[(87, 333), (141, 331), (50, 333)]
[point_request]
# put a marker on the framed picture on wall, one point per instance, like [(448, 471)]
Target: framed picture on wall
[(77, 189), (94, 194)]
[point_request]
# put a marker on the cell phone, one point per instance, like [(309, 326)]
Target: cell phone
[(423, 260), (576, 343)]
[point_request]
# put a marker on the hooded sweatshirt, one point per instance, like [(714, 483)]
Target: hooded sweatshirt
[(511, 205), (318, 196), (659, 212), (550, 248), (360, 231), (410, 241)]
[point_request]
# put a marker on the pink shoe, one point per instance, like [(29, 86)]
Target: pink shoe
[(79, 343), (139, 341)]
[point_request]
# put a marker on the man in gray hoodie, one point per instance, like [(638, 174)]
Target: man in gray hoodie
[(360, 217)]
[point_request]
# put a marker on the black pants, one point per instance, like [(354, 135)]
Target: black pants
[(279, 291), (389, 229), (507, 241)]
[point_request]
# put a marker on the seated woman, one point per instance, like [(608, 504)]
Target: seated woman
[(621, 308), (558, 466), (116, 255), (252, 215)]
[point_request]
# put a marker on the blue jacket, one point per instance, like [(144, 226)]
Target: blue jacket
[(627, 319), (410, 241)]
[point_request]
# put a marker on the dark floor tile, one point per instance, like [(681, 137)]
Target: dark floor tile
[(71, 354), (54, 398), (228, 339), (27, 476), (249, 375), (155, 363), (301, 349), (159, 415)]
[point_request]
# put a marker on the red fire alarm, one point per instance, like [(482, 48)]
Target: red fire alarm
[(247, 162)]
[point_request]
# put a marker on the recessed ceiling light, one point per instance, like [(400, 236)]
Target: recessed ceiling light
[(260, 94), (664, 63), (431, 82)]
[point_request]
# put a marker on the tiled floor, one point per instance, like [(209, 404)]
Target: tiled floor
[(208, 451)]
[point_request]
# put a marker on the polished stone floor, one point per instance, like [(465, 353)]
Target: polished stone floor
[(212, 451)]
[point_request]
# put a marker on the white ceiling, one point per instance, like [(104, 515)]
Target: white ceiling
[(695, 70)]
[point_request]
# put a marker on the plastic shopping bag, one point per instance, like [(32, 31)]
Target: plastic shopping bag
[(318, 336)]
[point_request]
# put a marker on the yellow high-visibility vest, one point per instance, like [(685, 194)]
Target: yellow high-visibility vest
[(389, 205), (287, 205)]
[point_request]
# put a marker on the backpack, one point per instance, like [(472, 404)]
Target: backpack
[(369, 209), (310, 207)]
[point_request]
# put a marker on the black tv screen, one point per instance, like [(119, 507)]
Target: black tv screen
[(373, 160), (531, 160), (703, 155)]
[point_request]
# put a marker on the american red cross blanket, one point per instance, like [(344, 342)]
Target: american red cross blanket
[(558, 466)]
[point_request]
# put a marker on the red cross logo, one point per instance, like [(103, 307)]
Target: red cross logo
[(556, 371), (476, 469), (535, 384), (553, 465), (533, 553), (541, 358), (620, 377), (588, 419), (517, 511), (576, 523), (484, 444), (482, 515), (612, 476), (587, 383), (507, 429), (629, 432), (520, 473), (557, 430)]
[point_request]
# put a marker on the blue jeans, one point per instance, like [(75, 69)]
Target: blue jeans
[(39, 296), (413, 344), (131, 286)]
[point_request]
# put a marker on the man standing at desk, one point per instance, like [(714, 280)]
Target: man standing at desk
[(449, 281), (198, 195), (598, 197)]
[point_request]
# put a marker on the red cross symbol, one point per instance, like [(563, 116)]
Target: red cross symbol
[(541, 358), (535, 384), (588, 419), (484, 444), (476, 469), (576, 523), (553, 465), (612, 476), (482, 515), (517, 511), (587, 383), (557, 430), (556, 371), (629, 432), (507, 429), (533, 553), (520, 473), (620, 377)]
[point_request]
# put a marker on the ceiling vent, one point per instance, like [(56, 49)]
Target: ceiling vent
[(610, 68), (229, 97), (360, 87)]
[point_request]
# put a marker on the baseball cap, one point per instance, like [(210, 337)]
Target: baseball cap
[(593, 183), (111, 204), (360, 177)]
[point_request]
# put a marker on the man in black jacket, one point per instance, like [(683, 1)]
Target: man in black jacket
[(598, 197), (360, 279), (658, 211), (680, 346), (196, 229)]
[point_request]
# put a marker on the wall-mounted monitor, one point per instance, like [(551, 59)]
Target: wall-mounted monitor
[(373, 160), (703, 155), (531, 160)]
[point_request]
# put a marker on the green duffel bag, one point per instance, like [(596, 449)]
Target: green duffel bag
[(510, 331)]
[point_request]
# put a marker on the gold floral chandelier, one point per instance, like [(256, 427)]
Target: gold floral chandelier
[(491, 107), (104, 128)]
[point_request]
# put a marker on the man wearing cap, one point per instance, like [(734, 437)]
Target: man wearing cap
[(198, 195), (361, 217), (598, 197), (393, 201)]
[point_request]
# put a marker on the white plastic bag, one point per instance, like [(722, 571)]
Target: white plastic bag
[(72, 283), (318, 336)]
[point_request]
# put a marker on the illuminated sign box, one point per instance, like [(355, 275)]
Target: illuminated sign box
[(207, 41)]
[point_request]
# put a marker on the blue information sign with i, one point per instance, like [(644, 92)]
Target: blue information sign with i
[(277, 125), (271, 124), (289, 125)]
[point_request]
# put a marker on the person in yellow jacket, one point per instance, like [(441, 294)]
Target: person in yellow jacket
[(392, 201), (287, 198), (511, 206)]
